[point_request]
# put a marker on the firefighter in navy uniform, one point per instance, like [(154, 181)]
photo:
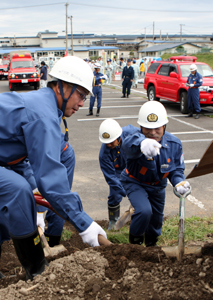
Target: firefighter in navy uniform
[(193, 82), (30, 128), (97, 90), (112, 161), (153, 155), (127, 76)]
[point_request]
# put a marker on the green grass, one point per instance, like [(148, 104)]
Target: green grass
[(196, 229), (201, 57), (66, 235)]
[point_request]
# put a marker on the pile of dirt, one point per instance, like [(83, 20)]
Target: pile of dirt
[(115, 272)]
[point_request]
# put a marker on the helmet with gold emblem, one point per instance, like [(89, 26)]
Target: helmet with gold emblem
[(152, 114)]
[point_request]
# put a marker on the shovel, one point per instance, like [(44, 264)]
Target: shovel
[(125, 218), (41, 201), (50, 251), (179, 250)]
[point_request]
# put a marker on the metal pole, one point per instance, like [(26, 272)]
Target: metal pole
[(181, 31), (83, 38), (71, 35), (153, 32), (66, 28), (145, 41)]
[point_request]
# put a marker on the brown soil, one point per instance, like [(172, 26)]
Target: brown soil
[(114, 272)]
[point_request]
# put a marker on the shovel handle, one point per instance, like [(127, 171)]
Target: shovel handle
[(184, 195), (103, 241)]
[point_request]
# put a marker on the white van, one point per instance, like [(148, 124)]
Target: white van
[(46, 59)]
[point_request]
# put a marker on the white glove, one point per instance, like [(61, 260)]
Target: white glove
[(150, 148), (90, 235), (40, 220), (191, 85), (182, 187)]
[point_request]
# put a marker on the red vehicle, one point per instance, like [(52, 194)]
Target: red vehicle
[(22, 71), (167, 80), (4, 68)]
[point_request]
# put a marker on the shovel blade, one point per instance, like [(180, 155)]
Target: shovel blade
[(175, 251), (125, 218)]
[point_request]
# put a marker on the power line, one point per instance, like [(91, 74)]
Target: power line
[(112, 7)]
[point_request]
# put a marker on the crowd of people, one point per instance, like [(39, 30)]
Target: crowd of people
[(36, 157)]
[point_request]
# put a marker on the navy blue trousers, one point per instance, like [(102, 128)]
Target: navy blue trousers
[(148, 202), (97, 91), (126, 86), (193, 100)]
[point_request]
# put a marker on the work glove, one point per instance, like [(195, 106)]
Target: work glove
[(150, 148), (191, 85), (40, 220), (182, 187), (90, 235)]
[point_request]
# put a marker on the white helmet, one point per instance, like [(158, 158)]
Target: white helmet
[(109, 131), (152, 114), (193, 67), (97, 66), (74, 70)]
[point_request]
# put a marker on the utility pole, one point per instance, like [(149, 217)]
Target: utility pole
[(71, 35), (66, 4), (153, 32), (181, 31), (83, 37), (145, 41)]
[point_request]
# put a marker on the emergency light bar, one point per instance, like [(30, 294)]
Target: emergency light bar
[(26, 55), (184, 58)]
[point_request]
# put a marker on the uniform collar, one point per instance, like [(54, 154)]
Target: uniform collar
[(164, 141)]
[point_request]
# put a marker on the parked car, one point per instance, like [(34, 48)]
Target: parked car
[(22, 71), (167, 80), (4, 68)]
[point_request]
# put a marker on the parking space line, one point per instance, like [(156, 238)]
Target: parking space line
[(188, 124), (191, 132), (191, 161), (198, 140)]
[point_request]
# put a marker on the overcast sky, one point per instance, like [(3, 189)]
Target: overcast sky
[(27, 18)]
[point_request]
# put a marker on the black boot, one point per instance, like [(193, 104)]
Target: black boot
[(136, 239), (90, 113), (53, 240), (98, 111), (30, 253), (1, 275), (190, 114), (150, 241), (124, 96), (127, 96), (114, 214), (197, 116)]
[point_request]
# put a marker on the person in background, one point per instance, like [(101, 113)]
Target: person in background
[(97, 90), (142, 68), (51, 63), (43, 75), (112, 161), (193, 82), (109, 70), (122, 64), (136, 74), (127, 77), (114, 65), (153, 156)]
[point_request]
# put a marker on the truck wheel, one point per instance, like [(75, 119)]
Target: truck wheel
[(152, 94), (11, 86), (183, 103), (36, 86)]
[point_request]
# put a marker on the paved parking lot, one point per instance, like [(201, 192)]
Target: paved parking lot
[(195, 135)]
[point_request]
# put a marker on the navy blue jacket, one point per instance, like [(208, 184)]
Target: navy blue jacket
[(113, 161), (169, 164), (128, 72)]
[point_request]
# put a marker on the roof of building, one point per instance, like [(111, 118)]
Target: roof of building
[(165, 46)]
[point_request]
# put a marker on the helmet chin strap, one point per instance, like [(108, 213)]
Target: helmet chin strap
[(64, 104)]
